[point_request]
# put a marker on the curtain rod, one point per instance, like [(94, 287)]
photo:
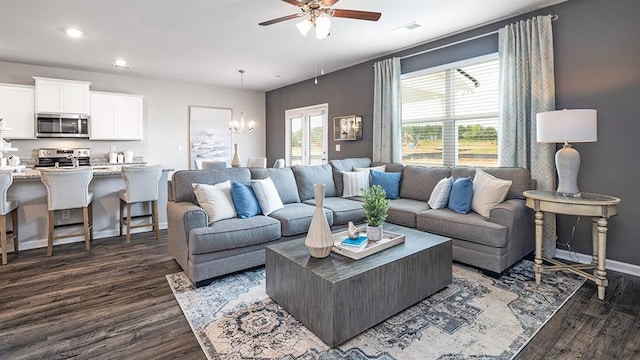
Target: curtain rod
[(554, 17)]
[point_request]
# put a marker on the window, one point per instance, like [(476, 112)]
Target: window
[(306, 135), (450, 114)]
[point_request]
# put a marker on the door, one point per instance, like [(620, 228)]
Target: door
[(307, 135)]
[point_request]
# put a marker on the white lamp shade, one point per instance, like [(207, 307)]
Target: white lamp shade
[(323, 24), (304, 27), (577, 125)]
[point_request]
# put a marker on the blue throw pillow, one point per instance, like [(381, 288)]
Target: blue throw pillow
[(461, 195), (244, 200), (390, 182)]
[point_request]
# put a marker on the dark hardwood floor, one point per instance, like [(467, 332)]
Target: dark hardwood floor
[(114, 302)]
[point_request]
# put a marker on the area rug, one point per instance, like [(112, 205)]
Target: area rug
[(476, 317)]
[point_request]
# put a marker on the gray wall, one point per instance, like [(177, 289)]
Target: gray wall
[(597, 56), (348, 92)]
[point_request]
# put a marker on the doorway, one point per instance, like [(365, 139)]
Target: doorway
[(307, 135)]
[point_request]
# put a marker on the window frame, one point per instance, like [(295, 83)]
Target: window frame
[(450, 147)]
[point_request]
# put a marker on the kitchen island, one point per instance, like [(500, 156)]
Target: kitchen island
[(105, 186)]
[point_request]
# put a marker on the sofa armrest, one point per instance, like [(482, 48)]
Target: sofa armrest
[(518, 218), (182, 217)]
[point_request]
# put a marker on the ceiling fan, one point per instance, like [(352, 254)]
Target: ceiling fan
[(319, 12)]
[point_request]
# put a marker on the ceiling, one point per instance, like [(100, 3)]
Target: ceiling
[(207, 41)]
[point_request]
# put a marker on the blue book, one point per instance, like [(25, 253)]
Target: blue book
[(360, 242)]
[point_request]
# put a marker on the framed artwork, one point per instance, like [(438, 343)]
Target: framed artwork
[(209, 135)]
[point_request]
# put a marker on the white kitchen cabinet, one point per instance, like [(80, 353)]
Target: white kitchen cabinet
[(62, 96), (116, 116), (17, 109)]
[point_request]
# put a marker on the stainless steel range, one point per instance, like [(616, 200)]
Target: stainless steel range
[(63, 157)]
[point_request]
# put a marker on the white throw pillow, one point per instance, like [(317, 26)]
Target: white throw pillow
[(440, 194), (215, 200), (267, 195), (488, 191), (376, 168), (355, 183)]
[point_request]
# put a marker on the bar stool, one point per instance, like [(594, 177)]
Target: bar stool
[(141, 187), (69, 189), (8, 206)]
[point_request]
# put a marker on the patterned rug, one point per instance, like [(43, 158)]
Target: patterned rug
[(475, 317)]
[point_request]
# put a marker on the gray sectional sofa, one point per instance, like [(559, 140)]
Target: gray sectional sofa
[(207, 251)]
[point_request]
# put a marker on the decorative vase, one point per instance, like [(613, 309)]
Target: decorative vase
[(319, 239), (235, 161), (352, 231), (374, 233)]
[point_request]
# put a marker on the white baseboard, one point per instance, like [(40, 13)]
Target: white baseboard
[(610, 264), (42, 243)]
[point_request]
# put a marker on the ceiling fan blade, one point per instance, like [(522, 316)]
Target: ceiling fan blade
[(294, 3), (328, 2), (284, 18), (356, 14)]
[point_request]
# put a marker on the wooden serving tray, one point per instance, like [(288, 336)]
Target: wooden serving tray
[(389, 239)]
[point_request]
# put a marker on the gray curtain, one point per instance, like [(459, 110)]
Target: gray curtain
[(527, 88), (387, 111)]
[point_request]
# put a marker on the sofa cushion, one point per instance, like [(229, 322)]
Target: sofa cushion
[(470, 227), (182, 180), (403, 211), (418, 182), (308, 175), (267, 195), (215, 200), (244, 200), (390, 167), (233, 233), (461, 195), (341, 165), (355, 183), (344, 210), (284, 181), (390, 182), (295, 218), (488, 191), (520, 177), (440, 194)]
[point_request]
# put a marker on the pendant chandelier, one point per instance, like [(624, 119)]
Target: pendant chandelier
[(239, 127)]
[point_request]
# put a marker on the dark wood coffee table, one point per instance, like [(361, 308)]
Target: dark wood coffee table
[(338, 297)]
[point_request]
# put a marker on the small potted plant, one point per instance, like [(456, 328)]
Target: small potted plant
[(375, 211)]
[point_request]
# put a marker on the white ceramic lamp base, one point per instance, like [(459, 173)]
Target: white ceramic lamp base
[(568, 166)]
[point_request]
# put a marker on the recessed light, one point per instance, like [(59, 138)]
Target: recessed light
[(406, 28), (74, 33), (277, 76), (121, 63)]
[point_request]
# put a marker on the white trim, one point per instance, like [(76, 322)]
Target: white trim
[(304, 113), (610, 264), (42, 243)]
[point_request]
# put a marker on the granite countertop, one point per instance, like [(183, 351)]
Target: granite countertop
[(98, 170)]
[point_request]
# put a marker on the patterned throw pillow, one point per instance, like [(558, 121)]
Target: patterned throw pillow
[(440, 194), (354, 183), (215, 200), (267, 195), (488, 191)]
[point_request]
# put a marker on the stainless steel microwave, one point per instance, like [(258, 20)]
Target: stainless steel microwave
[(62, 125)]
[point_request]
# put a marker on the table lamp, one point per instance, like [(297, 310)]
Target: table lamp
[(564, 126)]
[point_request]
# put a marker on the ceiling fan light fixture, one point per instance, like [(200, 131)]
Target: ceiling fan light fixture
[(304, 26), (323, 25)]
